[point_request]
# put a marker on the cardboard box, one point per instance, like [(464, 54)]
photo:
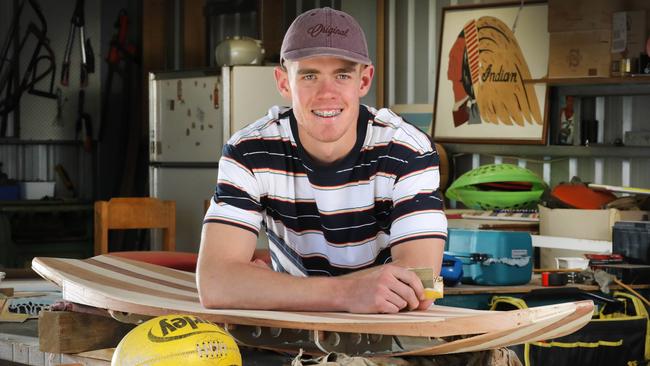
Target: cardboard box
[(629, 32), (584, 224), (637, 138), (582, 15), (579, 54)]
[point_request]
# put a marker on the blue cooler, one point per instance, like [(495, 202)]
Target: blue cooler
[(495, 258)]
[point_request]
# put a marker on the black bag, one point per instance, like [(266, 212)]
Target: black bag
[(618, 334)]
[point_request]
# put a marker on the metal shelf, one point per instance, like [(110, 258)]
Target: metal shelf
[(631, 79), (593, 151), (16, 141), (636, 84)]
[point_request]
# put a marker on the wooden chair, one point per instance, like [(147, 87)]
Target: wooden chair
[(134, 213)]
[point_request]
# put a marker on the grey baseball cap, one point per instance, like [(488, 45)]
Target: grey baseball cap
[(325, 32)]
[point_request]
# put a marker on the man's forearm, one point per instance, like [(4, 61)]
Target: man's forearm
[(250, 286), (226, 278)]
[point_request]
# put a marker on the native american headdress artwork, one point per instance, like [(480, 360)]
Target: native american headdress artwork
[(487, 70)]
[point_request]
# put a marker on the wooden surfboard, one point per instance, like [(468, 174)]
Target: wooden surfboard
[(119, 284)]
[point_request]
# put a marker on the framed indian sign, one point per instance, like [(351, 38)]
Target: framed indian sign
[(488, 58)]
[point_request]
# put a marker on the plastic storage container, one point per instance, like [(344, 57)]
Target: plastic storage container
[(632, 240), (36, 190), (571, 263), (9, 192), (495, 258)]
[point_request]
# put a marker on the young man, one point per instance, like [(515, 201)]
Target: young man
[(348, 194)]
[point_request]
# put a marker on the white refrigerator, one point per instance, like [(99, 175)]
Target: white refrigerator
[(192, 114)]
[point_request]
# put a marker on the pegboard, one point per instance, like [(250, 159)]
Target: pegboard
[(38, 115)]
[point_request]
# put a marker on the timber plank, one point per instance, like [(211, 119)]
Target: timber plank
[(70, 332)]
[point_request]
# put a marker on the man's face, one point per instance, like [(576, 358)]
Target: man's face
[(324, 93)]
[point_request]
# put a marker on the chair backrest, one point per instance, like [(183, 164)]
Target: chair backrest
[(134, 213)]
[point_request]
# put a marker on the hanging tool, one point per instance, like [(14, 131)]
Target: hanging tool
[(67, 182), (120, 52), (119, 46), (87, 57), (13, 85), (84, 122)]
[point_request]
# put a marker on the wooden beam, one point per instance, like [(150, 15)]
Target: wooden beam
[(70, 332), (380, 66), (153, 37), (271, 28), (194, 44)]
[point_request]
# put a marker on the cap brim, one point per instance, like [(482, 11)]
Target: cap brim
[(326, 52)]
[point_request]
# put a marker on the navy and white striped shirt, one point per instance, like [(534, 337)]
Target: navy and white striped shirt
[(330, 220)]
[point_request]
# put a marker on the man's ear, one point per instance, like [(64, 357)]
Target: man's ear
[(282, 82), (367, 72)]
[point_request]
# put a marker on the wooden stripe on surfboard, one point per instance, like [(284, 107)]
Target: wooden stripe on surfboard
[(528, 333), (112, 286), (186, 277), (139, 276), (88, 271)]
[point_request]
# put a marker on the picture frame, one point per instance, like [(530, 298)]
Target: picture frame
[(487, 88)]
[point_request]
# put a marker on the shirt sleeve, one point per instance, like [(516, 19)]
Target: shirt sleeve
[(417, 204), (237, 196)]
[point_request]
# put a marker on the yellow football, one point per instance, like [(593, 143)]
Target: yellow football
[(177, 339)]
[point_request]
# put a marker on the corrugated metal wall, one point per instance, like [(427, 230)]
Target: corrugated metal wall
[(36, 162)]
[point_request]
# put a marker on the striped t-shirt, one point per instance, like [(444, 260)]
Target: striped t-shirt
[(334, 219)]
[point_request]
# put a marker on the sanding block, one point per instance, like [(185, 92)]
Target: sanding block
[(433, 285)]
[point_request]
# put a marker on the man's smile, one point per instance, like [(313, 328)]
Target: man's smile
[(327, 113)]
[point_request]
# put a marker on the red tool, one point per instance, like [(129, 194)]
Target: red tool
[(119, 46)]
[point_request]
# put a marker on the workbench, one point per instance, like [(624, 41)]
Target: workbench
[(53, 228), (478, 297), (19, 341)]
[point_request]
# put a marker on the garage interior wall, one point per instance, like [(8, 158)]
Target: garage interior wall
[(411, 36)]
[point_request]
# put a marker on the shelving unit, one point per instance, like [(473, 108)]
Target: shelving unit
[(617, 103)]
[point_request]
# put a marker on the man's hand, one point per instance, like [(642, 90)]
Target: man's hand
[(385, 289)]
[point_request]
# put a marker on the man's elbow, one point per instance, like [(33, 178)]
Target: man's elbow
[(209, 302), (213, 294)]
